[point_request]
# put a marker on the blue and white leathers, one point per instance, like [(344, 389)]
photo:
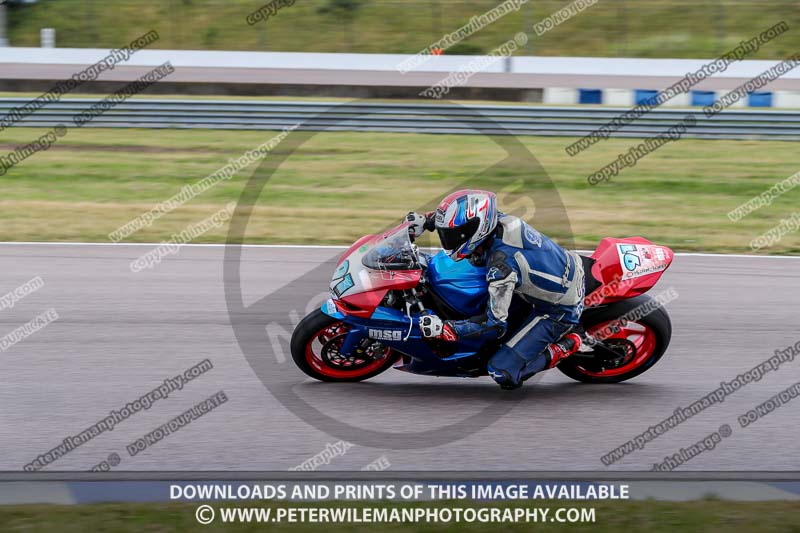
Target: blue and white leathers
[(522, 261)]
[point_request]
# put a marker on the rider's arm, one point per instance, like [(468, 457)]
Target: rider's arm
[(503, 276)]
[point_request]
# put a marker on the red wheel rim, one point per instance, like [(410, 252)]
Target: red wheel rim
[(322, 355), (639, 341)]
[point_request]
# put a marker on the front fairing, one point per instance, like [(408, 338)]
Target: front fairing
[(372, 267), (389, 261)]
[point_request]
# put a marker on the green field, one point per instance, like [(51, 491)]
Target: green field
[(636, 28), (708, 516), (339, 186)]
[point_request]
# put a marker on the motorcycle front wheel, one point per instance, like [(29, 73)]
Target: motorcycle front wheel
[(315, 348)]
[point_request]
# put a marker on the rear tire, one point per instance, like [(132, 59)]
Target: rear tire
[(655, 329), (315, 328)]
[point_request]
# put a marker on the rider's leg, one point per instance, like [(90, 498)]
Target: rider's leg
[(529, 350)]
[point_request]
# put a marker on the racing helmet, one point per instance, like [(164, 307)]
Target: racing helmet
[(464, 219)]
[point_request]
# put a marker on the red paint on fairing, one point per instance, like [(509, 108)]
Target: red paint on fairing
[(609, 271), (363, 304)]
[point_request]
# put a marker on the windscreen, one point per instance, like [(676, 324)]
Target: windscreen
[(394, 252)]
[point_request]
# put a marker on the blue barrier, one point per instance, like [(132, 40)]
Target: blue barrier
[(759, 99), (644, 97), (590, 96), (703, 98)]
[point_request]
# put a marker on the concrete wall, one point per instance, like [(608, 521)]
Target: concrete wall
[(555, 80)]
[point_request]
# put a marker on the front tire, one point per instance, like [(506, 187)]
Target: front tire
[(637, 345), (315, 343)]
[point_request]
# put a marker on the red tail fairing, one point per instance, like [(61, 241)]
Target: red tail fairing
[(627, 268)]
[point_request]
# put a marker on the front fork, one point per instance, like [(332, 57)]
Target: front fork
[(354, 336)]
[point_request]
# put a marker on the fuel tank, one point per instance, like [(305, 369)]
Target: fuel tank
[(461, 286)]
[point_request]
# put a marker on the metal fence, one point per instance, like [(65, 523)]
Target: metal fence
[(412, 118)]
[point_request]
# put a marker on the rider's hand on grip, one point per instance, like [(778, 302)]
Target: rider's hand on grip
[(432, 326), (417, 224)]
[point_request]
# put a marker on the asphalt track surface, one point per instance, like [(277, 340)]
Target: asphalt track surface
[(121, 333)]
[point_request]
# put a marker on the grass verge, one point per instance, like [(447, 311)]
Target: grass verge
[(708, 516), (641, 28), (340, 185)]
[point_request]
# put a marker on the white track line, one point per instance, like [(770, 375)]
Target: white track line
[(325, 247), (152, 244)]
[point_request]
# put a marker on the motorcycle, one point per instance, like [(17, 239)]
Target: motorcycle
[(383, 284)]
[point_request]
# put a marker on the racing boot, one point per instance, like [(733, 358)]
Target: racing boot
[(563, 348)]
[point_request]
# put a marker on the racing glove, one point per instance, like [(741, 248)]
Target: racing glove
[(433, 327), (420, 223)]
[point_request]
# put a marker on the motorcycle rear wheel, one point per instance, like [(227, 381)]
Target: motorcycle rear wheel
[(637, 345), (315, 343)]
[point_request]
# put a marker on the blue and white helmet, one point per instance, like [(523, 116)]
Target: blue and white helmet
[(464, 219)]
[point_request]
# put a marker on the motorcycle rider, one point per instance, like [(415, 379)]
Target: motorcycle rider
[(520, 261)]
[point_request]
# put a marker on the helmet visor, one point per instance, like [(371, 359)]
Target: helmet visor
[(454, 238)]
